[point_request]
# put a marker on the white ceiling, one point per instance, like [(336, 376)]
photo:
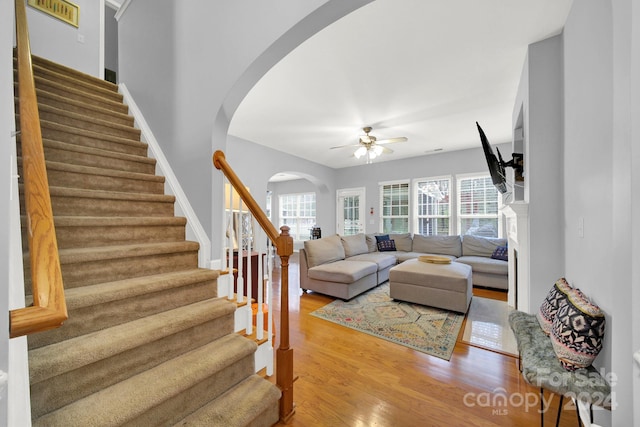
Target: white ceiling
[(424, 69)]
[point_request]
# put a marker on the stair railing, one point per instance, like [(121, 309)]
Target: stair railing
[(49, 309), (283, 243)]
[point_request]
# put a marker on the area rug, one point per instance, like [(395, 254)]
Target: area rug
[(487, 326), (430, 330)]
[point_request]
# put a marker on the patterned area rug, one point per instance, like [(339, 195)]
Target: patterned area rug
[(426, 329)]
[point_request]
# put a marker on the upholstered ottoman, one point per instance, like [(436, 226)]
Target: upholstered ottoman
[(447, 286)]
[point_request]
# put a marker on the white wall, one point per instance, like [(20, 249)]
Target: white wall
[(58, 41), (539, 98), (256, 169), (599, 161), (189, 64), (6, 142), (621, 10), (445, 163)]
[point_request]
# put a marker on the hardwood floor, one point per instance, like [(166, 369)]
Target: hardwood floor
[(348, 378)]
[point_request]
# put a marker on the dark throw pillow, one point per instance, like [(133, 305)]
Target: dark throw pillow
[(382, 237), (577, 332), (501, 252), (386, 245)]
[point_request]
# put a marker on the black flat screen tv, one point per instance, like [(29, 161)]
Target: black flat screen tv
[(496, 167)]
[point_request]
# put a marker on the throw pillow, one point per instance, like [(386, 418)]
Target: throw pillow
[(325, 250), (441, 245), (556, 298), (577, 332), (403, 241), (382, 237), (354, 245), (501, 252), (386, 245)]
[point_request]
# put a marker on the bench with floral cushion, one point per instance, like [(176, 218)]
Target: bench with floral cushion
[(558, 345)]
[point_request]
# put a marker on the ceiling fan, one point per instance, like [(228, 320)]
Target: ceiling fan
[(371, 147)]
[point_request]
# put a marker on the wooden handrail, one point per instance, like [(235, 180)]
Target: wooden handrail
[(284, 248), (49, 309)]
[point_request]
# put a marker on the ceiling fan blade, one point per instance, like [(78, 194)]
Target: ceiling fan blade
[(391, 140), (386, 150), (343, 146)]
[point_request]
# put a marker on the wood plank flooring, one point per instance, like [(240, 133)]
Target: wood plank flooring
[(348, 378)]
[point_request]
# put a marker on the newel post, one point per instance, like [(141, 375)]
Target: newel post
[(284, 364)]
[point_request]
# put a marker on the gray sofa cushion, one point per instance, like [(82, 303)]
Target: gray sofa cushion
[(354, 245), (481, 264), (342, 271), (382, 259), (480, 246), (371, 242), (325, 250), (442, 245), (403, 241)]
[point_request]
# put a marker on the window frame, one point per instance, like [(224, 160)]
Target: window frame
[(408, 216), (460, 216), (416, 204), (297, 236)]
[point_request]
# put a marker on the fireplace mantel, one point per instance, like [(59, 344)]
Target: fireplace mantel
[(517, 224)]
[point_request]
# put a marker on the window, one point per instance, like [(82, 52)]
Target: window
[(268, 205), (394, 200), (298, 211), (478, 204), (433, 206)]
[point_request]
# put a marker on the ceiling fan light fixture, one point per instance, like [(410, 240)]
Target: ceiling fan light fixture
[(361, 151), (377, 150)]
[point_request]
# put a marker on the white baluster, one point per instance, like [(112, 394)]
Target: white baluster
[(260, 297), (240, 281), (249, 278)]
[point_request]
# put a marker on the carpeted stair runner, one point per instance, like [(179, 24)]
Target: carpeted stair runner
[(147, 341)]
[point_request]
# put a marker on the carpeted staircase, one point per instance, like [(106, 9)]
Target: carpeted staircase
[(147, 342)]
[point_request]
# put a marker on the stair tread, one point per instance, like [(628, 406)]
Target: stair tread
[(87, 97), (100, 221), (58, 358), (128, 399), (75, 255), (44, 108), (122, 289), (41, 94), (50, 143), (114, 195), (64, 80), (92, 170), (254, 394), (91, 134), (46, 63)]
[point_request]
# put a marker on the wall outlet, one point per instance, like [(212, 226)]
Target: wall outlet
[(80, 38)]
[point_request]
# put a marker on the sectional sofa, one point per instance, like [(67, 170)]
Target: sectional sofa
[(346, 266)]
